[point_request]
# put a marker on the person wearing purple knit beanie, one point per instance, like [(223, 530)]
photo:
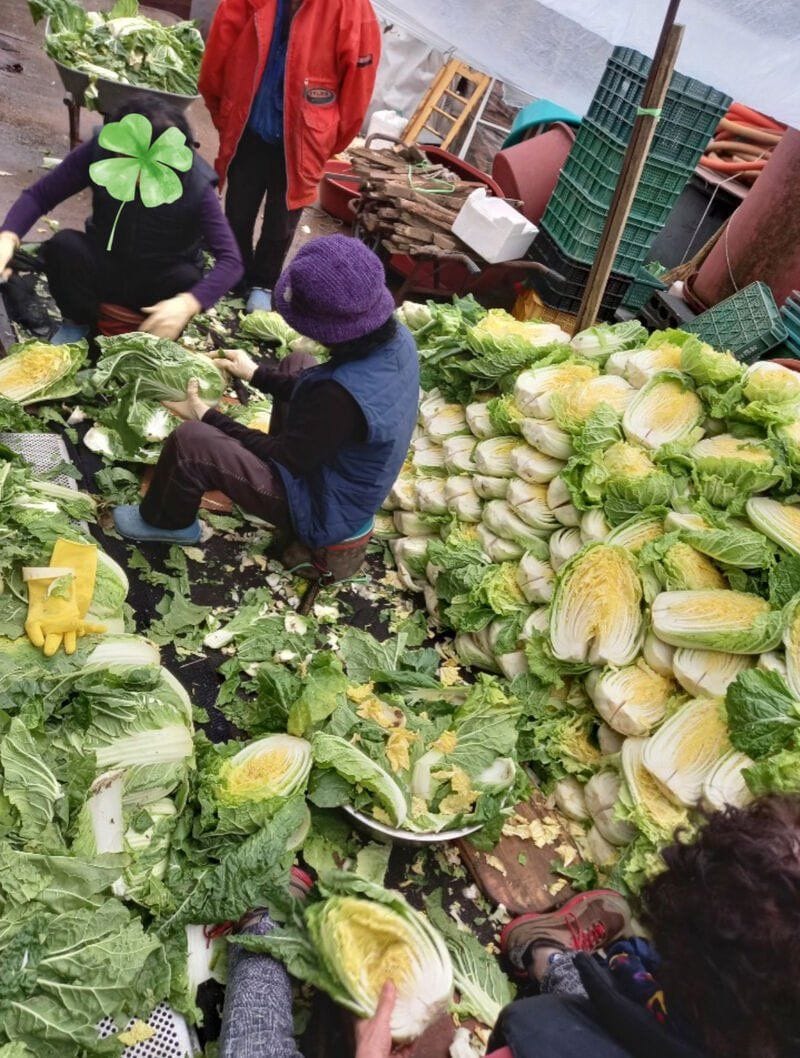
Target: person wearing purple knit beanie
[(340, 430)]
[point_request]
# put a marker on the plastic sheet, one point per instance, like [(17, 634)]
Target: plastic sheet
[(557, 49)]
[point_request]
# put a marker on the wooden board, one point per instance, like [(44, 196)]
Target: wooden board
[(517, 873)]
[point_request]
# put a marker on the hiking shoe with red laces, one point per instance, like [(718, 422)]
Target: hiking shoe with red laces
[(587, 922)]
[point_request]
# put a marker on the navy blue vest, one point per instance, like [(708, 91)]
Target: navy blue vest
[(338, 497)]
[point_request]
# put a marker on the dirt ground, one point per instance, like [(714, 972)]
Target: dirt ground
[(34, 123)]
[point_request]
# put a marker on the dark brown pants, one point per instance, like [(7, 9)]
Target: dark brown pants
[(198, 458)]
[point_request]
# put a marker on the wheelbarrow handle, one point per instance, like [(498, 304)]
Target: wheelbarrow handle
[(537, 266)]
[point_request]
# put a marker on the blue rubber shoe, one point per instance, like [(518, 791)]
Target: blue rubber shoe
[(132, 526), (259, 300), (69, 332)]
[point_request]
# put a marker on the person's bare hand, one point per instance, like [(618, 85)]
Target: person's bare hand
[(236, 362), (9, 243), (374, 1036), (166, 319), (193, 407)]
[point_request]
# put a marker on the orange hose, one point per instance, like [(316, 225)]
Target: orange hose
[(749, 132), (720, 165), (740, 112), (727, 146)]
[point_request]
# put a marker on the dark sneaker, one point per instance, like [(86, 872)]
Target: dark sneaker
[(587, 922)]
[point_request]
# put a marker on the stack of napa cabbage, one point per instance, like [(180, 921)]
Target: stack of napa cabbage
[(618, 533)]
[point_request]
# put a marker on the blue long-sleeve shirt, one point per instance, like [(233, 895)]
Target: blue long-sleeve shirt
[(266, 113)]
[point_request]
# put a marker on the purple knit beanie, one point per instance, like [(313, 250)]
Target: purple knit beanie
[(334, 290)]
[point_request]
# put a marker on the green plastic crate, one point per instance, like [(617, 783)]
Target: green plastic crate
[(748, 324), (642, 289), (689, 117), (576, 224), (594, 165)]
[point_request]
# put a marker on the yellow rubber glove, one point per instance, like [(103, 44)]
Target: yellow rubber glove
[(53, 616), (82, 560)]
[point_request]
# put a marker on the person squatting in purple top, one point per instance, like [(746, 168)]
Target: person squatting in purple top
[(155, 264)]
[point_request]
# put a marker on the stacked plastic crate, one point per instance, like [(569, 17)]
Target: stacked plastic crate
[(573, 222)]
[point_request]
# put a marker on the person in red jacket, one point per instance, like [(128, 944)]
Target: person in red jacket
[(287, 84)]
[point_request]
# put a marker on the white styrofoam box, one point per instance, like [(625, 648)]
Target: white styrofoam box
[(388, 123), (493, 228)]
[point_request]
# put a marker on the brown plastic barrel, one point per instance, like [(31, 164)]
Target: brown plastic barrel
[(762, 239), (529, 171)]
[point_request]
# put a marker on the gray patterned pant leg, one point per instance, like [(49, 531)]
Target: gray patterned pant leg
[(257, 1017), (562, 977)]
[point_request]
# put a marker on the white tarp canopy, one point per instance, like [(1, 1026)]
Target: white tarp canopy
[(557, 49)]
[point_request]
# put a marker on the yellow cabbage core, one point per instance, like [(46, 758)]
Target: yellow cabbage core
[(372, 943), (623, 459)]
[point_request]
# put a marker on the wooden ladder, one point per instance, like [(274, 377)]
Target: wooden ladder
[(446, 101)]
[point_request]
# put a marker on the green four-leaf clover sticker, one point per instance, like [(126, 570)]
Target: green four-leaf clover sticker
[(148, 167)]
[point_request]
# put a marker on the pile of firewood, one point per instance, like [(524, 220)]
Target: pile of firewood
[(407, 203)]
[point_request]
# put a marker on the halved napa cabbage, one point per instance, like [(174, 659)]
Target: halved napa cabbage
[(642, 364), (430, 496), (708, 673), (707, 366), (791, 643), (686, 748), (497, 548), (479, 420), (490, 488), (501, 518), (534, 466), (276, 766), (725, 784), (559, 500), (596, 613), (731, 621), (36, 370), (570, 800), (493, 456), (426, 454), (548, 437), (534, 388), (605, 338), (448, 420), (601, 793), (366, 935), (529, 502), (594, 527), (573, 406), (728, 468), (658, 655), (664, 411), (563, 544), (462, 499), (654, 814), (636, 532), (771, 383), (536, 578), (458, 453), (779, 521), (633, 699)]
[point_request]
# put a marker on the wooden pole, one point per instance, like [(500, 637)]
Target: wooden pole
[(633, 163)]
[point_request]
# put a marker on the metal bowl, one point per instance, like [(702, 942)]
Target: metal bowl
[(408, 837)]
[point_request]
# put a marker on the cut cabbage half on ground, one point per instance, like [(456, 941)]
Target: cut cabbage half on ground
[(367, 935), (489, 487), (594, 527), (725, 784), (791, 643), (658, 654), (493, 456), (666, 410), (548, 437), (275, 766), (636, 532), (529, 502), (642, 364), (559, 500), (731, 621), (536, 578), (573, 406), (779, 521), (771, 383), (563, 544), (596, 613), (337, 754), (633, 699), (708, 673), (685, 749)]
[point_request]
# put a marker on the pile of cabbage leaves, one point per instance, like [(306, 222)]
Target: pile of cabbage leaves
[(122, 46), (615, 529)]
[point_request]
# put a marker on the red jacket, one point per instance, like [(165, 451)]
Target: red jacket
[(331, 62)]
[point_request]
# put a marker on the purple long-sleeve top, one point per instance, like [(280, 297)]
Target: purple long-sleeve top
[(72, 176)]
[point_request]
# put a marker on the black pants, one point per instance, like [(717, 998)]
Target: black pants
[(82, 276), (259, 169), (198, 458)]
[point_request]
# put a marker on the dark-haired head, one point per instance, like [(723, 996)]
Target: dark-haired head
[(162, 115), (725, 918)]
